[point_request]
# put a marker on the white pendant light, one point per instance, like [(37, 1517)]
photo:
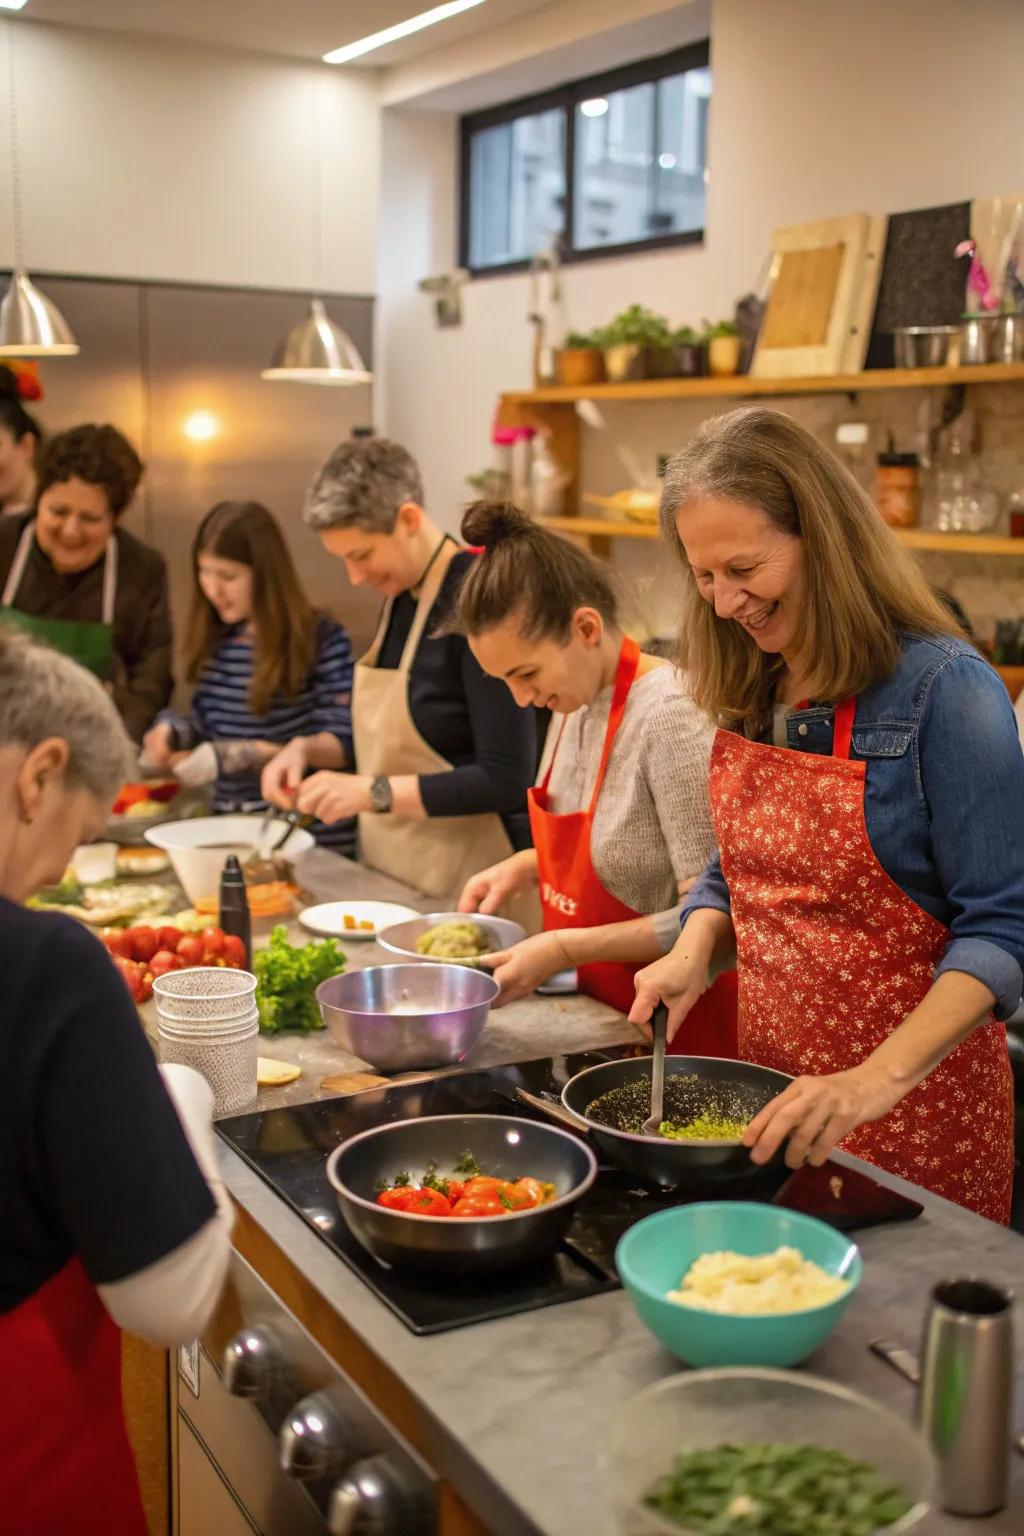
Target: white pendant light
[(317, 350), (31, 325)]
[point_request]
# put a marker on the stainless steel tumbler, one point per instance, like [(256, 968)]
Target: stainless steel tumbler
[(966, 1392)]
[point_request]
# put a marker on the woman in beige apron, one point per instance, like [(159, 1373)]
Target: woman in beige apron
[(367, 506)]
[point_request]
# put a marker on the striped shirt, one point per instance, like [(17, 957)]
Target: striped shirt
[(221, 711)]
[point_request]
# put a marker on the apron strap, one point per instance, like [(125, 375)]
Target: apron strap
[(110, 566), (18, 564), (436, 572), (625, 673), (370, 655), (551, 760), (842, 727)]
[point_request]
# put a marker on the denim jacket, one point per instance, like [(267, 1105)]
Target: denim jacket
[(943, 802)]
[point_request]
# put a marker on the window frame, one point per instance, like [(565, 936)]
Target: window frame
[(643, 72)]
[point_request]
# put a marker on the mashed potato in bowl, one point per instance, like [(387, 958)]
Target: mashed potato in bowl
[(454, 941), (757, 1285)]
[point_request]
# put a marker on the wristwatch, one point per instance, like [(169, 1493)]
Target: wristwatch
[(380, 794)]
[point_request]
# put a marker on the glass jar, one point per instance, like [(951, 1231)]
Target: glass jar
[(897, 490)]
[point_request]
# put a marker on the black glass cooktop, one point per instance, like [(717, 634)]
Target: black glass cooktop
[(289, 1148)]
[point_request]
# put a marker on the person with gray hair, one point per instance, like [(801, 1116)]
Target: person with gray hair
[(444, 756), (112, 1211)]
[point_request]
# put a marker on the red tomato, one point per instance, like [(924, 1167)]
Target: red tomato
[(428, 1202), (168, 938), (118, 943), (456, 1190), (396, 1199), (143, 942), (165, 960), (190, 949), (482, 1184), (479, 1205), (525, 1193), (213, 942), (234, 951), (137, 979)]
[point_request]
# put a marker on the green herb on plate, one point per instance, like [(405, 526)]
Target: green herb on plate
[(287, 977)]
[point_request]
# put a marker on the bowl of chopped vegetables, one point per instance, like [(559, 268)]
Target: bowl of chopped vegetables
[(460, 1194), (408, 1018), (738, 1283), (765, 1453), (451, 937)]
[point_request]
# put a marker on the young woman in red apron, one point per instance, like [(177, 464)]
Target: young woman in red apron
[(544, 617), (875, 901)]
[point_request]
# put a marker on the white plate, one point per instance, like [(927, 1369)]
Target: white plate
[(561, 984), (329, 918)]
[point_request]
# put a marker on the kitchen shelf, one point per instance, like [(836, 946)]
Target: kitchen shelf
[(742, 385), (605, 528)]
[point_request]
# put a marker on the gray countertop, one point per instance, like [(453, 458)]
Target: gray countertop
[(520, 1409)]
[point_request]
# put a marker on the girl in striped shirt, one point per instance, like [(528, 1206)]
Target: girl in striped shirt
[(267, 667)]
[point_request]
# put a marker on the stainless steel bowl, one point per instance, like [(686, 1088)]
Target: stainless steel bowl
[(406, 1018), (400, 938), (924, 346), (503, 1146)]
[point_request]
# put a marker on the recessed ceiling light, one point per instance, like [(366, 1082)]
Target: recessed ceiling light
[(201, 426), (400, 29), (597, 106)]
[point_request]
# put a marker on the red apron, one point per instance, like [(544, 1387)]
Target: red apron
[(65, 1462), (833, 956), (572, 896)]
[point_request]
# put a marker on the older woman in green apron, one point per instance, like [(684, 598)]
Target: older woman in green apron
[(443, 755), (72, 577)]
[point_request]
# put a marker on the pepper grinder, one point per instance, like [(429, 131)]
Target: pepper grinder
[(966, 1393), (234, 905)]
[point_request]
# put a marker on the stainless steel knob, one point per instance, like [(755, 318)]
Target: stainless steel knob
[(315, 1442), (375, 1499), (251, 1364)]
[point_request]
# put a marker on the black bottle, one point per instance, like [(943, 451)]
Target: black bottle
[(234, 905)]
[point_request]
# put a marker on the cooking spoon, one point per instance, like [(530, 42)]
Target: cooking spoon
[(659, 1024)]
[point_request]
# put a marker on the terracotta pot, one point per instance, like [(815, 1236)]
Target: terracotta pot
[(724, 354), (625, 361), (580, 365)]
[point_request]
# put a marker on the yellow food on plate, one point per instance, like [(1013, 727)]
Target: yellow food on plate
[(757, 1285), (275, 1074), (454, 941), (144, 808)]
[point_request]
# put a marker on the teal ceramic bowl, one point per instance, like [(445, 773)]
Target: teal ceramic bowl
[(656, 1253)]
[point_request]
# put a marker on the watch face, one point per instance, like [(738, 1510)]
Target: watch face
[(380, 794)]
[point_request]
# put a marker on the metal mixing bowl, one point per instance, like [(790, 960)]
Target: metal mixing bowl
[(924, 346), (400, 938), (406, 1018), (503, 1146)]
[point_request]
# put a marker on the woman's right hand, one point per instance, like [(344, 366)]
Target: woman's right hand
[(157, 746), (677, 980), (491, 888), (282, 776)]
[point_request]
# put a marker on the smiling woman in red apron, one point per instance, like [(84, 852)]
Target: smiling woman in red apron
[(621, 817), (106, 1218), (867, 800)]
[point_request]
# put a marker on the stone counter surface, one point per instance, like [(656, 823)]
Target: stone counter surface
[(520, 1409)]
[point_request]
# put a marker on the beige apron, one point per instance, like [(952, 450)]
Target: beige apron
[(437, 854)]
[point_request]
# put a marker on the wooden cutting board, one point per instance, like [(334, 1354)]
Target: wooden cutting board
[(352, 1082)]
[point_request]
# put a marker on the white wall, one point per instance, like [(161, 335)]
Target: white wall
[(820, 108), (149, 160)]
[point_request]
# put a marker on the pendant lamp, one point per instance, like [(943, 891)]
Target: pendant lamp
[(31, 325), (317, 350)]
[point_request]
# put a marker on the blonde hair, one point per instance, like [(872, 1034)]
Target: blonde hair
[(863, 589)]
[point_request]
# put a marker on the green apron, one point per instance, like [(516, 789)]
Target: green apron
[(90, 644)]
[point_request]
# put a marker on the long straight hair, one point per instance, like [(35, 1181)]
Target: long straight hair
[(283, 621), (863, 589)]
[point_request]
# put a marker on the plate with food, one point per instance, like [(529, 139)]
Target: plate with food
[(142, 862), (451, 937), (354, 919), (140, 806), (111, 902)]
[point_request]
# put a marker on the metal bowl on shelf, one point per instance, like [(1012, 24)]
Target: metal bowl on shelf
[(408, 1018), (924, 346), (504, 1147), (400, 938)]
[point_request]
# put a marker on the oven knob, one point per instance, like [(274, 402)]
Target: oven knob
[(315, 1442), (251, 1364), (375, 1499)]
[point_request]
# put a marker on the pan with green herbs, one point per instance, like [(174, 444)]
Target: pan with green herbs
[(708, 1104)]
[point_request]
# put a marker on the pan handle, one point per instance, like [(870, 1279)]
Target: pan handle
[(555, 1112)]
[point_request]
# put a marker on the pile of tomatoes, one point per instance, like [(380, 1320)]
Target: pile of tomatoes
[(142, 953), (478, 1196)]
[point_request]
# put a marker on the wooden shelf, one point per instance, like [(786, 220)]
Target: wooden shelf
[(605, 528), (742, 385)]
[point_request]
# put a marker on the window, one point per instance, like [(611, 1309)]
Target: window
[(610, 164)]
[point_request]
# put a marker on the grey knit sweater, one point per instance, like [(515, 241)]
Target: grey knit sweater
[(652, 826)]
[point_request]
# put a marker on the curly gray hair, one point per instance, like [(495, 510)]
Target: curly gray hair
[(362, 485), (44, 694)]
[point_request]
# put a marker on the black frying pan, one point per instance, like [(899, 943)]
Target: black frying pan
[(739, 1086)]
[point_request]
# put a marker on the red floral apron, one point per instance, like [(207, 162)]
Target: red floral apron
[(65, 1462), (572, 896), (833, 956)]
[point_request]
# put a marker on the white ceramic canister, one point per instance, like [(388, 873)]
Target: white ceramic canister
[(227, 1061)]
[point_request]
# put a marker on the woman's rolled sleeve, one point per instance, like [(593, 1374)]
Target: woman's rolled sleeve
[(709, 890)]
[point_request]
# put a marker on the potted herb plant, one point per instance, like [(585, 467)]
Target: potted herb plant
[(638, 345), (691, 356), (724, 348), (581, 359)]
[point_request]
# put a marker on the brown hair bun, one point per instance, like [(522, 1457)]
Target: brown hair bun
[(487, 523)]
